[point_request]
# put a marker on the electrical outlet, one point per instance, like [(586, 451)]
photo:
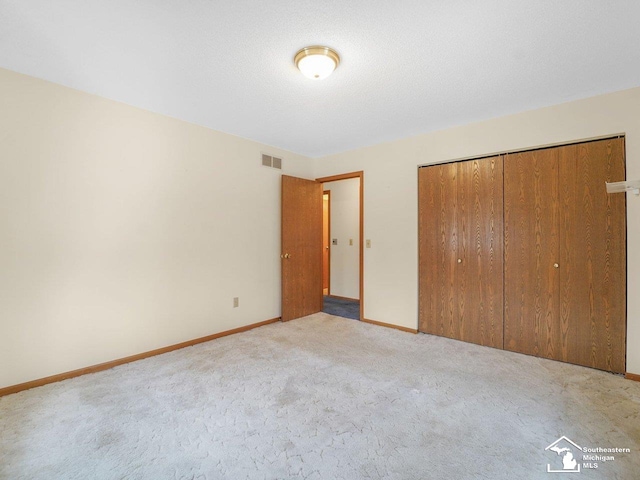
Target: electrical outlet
[(236, 302)]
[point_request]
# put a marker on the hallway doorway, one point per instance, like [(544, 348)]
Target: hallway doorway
[(341, 246)]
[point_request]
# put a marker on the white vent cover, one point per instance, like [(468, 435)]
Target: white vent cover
[(269, 161)]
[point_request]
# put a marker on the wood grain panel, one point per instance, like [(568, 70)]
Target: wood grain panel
[(302, 241), (438, 245), (460, 246), (531, 248), (593, 255), (480, 266)]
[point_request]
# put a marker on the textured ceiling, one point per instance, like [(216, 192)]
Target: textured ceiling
[(408, 66)]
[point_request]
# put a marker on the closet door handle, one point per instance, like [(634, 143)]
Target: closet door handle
[(555, 265), (459, 260)]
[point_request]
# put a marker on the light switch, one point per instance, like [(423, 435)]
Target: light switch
[(351, 241), (368, 243)]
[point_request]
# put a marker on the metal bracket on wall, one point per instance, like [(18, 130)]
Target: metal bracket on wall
[(622, 187)]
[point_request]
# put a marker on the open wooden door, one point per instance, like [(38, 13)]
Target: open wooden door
[(301, 247)]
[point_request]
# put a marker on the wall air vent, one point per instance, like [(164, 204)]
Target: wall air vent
[(269, 161)]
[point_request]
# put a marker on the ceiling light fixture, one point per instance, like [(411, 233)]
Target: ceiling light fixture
[(317, 62)]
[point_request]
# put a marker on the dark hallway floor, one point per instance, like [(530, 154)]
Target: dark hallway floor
[(342, 307)]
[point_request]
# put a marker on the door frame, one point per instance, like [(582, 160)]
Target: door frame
[(328, 194), (347, 176)]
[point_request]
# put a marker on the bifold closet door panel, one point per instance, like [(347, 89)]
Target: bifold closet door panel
[(480, 255), (460, 249), (593, 255), (437, 225), (531, 254)]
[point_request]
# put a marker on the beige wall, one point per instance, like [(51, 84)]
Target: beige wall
[(345, 225), (390, 205), (123, 231)]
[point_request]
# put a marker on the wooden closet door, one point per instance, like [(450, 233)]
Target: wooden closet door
[(438, 244), (531, 253), (479, 266), (460, 232), (593, 255)]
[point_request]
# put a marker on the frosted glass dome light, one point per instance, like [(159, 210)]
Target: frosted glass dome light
[(316, 62)]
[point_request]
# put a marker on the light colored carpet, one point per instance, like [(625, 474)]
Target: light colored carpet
[(320, 398)]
